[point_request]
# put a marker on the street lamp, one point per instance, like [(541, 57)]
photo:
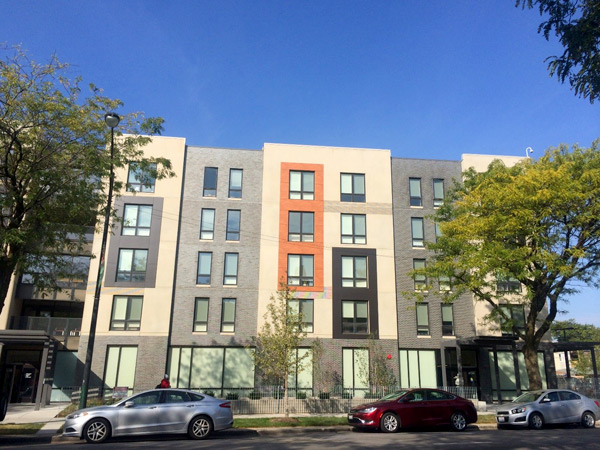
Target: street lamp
[(112, 120), (528, 151)]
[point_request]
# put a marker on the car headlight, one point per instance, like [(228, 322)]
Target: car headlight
[(76, 415), (366, 410), (520, 410)]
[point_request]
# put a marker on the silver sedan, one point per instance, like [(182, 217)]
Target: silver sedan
[(550, 406), (152, 412)]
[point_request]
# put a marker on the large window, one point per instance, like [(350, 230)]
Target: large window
[(302, 185), (230, 270), (141, 179), (438, 192), (354, 271), (137, 220), (233, 224), (201, 314), (207, 224), (515, 317), (126, 312), (414, 186), (422, 319), (301, 226), (420, 279), (301, 270), (418, 368), (447, 319), (235, 183), (354, 229), (306, 308), (355, 316), (204, 267), (132, 265), (228, 315), (353, 187), (210, 182), (119, 369), (416, 228), (355, 372)]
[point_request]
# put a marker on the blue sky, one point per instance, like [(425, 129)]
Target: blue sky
[(430, 79)]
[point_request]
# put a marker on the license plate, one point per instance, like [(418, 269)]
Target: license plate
[(501, 419), (350, 416)]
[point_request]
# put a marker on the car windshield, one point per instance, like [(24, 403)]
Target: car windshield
[(394, 395), (528, 397)]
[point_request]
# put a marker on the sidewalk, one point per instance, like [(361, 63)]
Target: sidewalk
[(25, 413)]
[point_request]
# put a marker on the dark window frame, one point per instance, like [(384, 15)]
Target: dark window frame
[(415, 200), (231, 234), (206, 275), (303, 279), (212, 230), (354, 238), (137, 228), (423, 329), (224, 323), (438, 201), (132, 275), (416, 241), (237, 265), (201, 323), (447, 326), (353, 196), (234, 191), (302, 235), (128, 322), (355, 280), (420, 281), (210, 190), (142, 181), (355, 325), (302, 194)]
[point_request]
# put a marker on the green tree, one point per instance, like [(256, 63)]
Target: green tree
[(375, 370), (275, 347), (576, 23), (569, 330), (53, 163), (537, 223)]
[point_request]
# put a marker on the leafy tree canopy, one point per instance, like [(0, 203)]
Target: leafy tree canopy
[(53, 163), (576, 23), (536, 223)]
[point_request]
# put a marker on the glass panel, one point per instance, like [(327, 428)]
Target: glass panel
[(419, 263), (307, 310), (231, 264), (360, 267), (210, 181), (183, 380), (427, 369), (294, 222), (228, 310), (359, 184), (346, 183), (362, 310), (348, 310), (347, 267), (127, 366), (120, 308), (307, 265), (422, 318), (130, 215), (145, 216), (415, 187), (140, 260), (447, 313), (438, 189), (308, 182), (125, 260), (235, 181), (239, 368), (417, 228), (174, 365), (307, 223), (112, 365), (135, 310), (346, 224), (207, 224), (207, 369), (305, 377), (413, 369), (295, 181), (201, 309), (361, 361), (204, 264), (293, 265), (403, 358), (360, 225), (348, 368)]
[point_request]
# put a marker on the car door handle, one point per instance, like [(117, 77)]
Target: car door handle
[(190, 406), (152, 407)]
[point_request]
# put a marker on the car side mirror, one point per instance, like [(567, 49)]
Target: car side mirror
[(129, 404)]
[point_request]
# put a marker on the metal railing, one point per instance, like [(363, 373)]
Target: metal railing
[(54, 326)]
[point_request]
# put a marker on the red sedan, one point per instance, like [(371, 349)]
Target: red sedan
[(414, 408)]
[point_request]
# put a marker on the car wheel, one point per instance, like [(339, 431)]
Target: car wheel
[(96, 431), (3, 407), (588, 420), (389, 423), (458, 421), (200, 427), (536, 421)]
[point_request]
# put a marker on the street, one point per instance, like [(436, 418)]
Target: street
[(473, 438)]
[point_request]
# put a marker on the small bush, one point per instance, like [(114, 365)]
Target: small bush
[(211, 393), (323, 395), (255, 395), (372, 395), (346, 394), (232, 396), (278, 394), (301, 395)]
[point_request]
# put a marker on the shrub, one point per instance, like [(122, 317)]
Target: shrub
[(211, 393), (255, 395), (301, 395), (323, 395), (232, 396), (372, 395), (346, 394)]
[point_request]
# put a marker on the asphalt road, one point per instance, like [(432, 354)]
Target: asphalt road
[(472, 438)]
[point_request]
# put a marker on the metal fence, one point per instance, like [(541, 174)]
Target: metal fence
[(588, 386)]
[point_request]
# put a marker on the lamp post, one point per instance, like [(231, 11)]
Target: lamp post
[(112, 120), (528, 151)]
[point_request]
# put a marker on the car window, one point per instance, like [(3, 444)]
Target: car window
[(438, 395), (147, 398), (196, 397), (566, 395), (176, 397), (416, 396), (552, 396)]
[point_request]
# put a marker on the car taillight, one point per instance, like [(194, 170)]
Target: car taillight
[(597, 404), (225, 405)]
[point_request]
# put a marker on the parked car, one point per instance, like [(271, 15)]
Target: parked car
[(414, 408), (152, 412), (536, 408)]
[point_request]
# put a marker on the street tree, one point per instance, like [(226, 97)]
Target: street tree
[(534, 226), (275, 348), (576, 23), (54, 164)]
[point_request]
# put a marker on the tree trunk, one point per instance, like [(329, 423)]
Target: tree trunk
[(286, 404), (532, 365), (7, 267)]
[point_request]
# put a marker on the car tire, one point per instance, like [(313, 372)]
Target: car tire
[(536, 421), (200, 427), (389, 423), (458, 421), (96, 431), (3, 406), (588, 420)]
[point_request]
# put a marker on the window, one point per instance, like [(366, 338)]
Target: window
[(126, 313), (438, 231), (233, 224), (418, 368), (354, 378), (438, 192), (228, 315), (146, 398), (423, 319), (201, 314), (306, 308), (300, 270), (176, 397), (447, 320), (136, 220), (445, 283), (354, 229), (508, 284), (420, 279), (301, 226), (355, 315), (119, 369), (416, 227), (302, 185), (141, 179), (204, 266), (132, 265), (235, 183), (354, 271), (414, 185), (516, 318), (353, 187), (207, 224), (230, 270), (210, 182)]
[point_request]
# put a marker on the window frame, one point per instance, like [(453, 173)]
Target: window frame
[(508, 285), (420, 280), (416, 241), (207, 190), (225, 275), (414, 200), (136, 228), (302, 236), (200, 323), (236, 190), (302, 194), (138, 185), (353, 238), (447, 326), (224, 324), (209, 274), (307, 326), (128, 322), (302, 278), (210, 231), (231, 234), (438, 201), (511, 308), (355, 280), (353, 326), (133, 276), (352, 196), (423, 329)]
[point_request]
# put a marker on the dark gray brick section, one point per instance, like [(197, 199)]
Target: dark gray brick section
[(246, 291), (427, 170)]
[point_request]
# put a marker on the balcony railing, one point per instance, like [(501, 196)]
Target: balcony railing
[(60, 327)]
